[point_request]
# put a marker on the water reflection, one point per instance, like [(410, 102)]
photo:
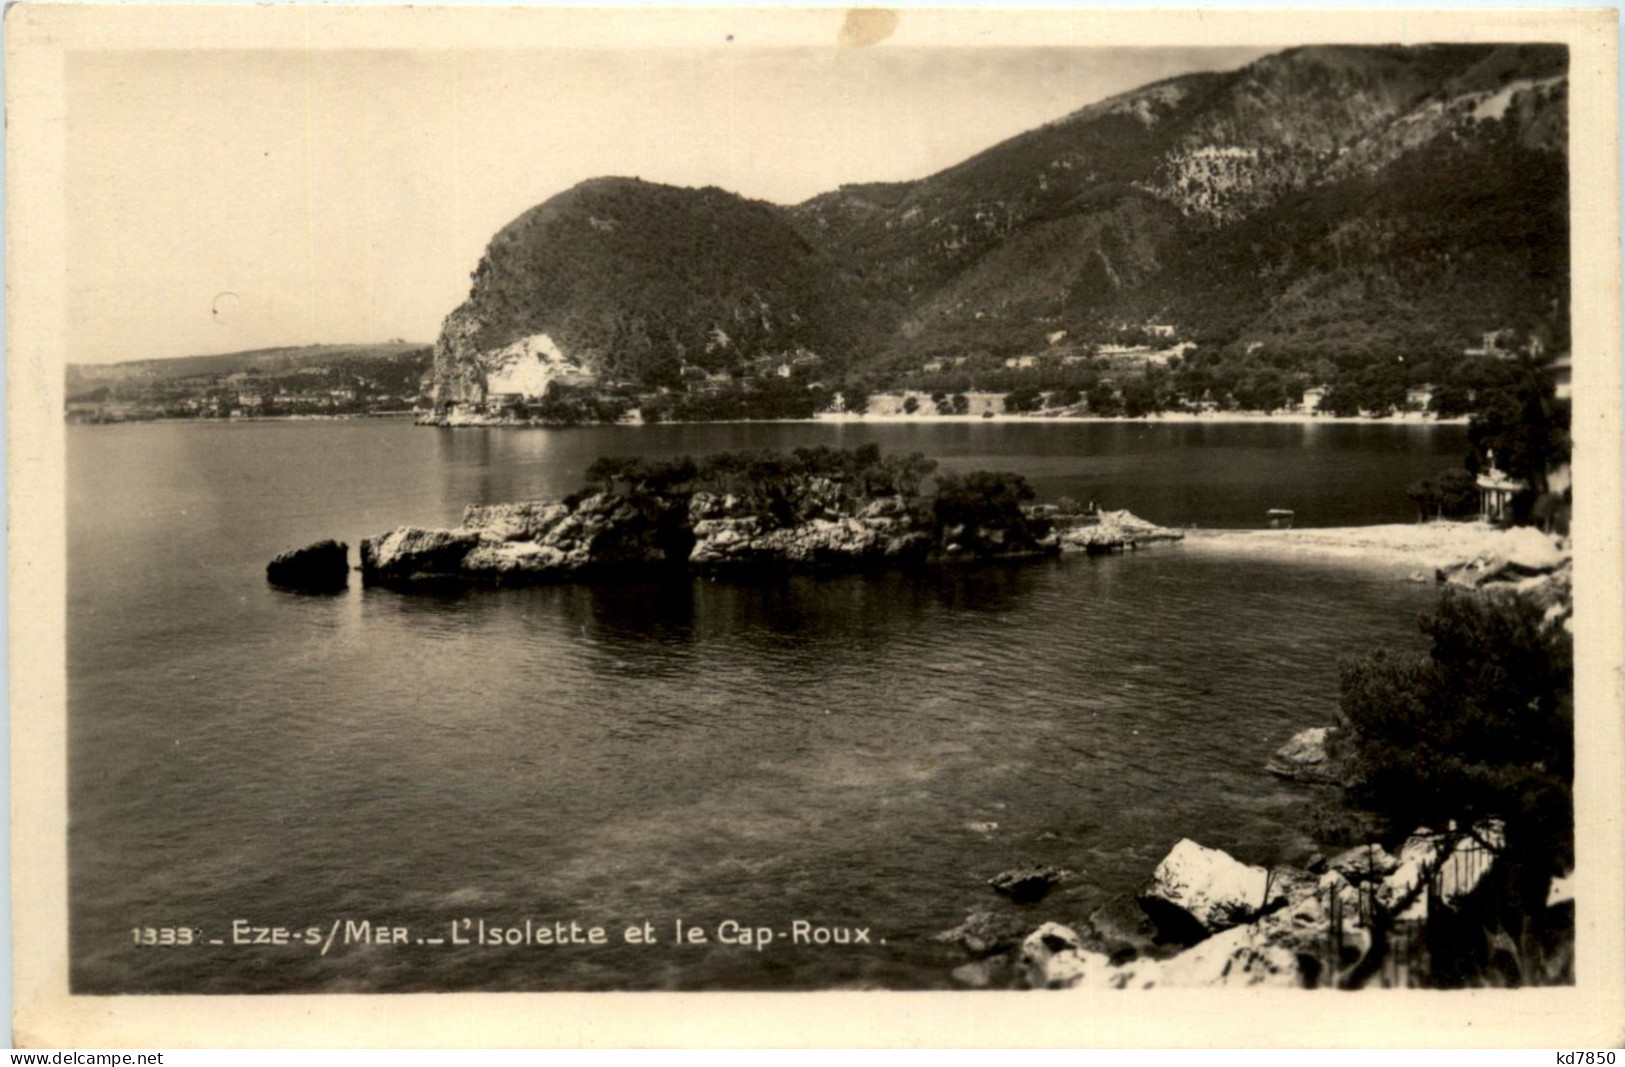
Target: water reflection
[(624, 618)]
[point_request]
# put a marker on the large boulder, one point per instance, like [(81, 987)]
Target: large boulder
[(1289, 945), (411, 553), (1204, 886), (321, 567), (1305, 758)]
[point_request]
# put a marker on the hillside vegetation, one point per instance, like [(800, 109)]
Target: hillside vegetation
[(85, 376), (635, 281), (312, 379), (1352, 218)]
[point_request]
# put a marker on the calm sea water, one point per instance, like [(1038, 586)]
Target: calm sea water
[(829, 750)]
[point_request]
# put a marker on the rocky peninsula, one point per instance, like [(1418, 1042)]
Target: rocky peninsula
[(815, 509)]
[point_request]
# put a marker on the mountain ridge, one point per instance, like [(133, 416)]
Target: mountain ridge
[(1316, 204)]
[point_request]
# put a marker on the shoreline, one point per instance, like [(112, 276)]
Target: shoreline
[(349, 417), (1407, 419), (1432, 545), (1217, 418)]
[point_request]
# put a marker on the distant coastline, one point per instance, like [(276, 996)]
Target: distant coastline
[(351, 416), (1410, 418)]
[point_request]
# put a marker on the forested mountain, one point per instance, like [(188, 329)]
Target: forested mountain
[(1318, 213), (633, 281)]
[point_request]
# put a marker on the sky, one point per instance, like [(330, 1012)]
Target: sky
[(228, 200)]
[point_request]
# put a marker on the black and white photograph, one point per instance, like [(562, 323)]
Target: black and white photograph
[(1048, 511)]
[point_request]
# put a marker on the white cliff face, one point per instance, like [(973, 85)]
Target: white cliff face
[(466, 372), (529, 365)]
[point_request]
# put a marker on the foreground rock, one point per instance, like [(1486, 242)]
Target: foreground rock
[(1311, 930), (321, 567), (1521, 562), (1053, 957), (1197, 891), (1027, 884), (1305, 758)]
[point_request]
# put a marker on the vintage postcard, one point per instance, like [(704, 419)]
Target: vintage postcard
[(770, 526)]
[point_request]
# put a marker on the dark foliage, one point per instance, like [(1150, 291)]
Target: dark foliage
[(1024, 399), (1482, 726), (1141, 397), (1453, 495), (573, 406), (982, 511), (771, 398), (1103, 400), (1525, 427), (782, 488)]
